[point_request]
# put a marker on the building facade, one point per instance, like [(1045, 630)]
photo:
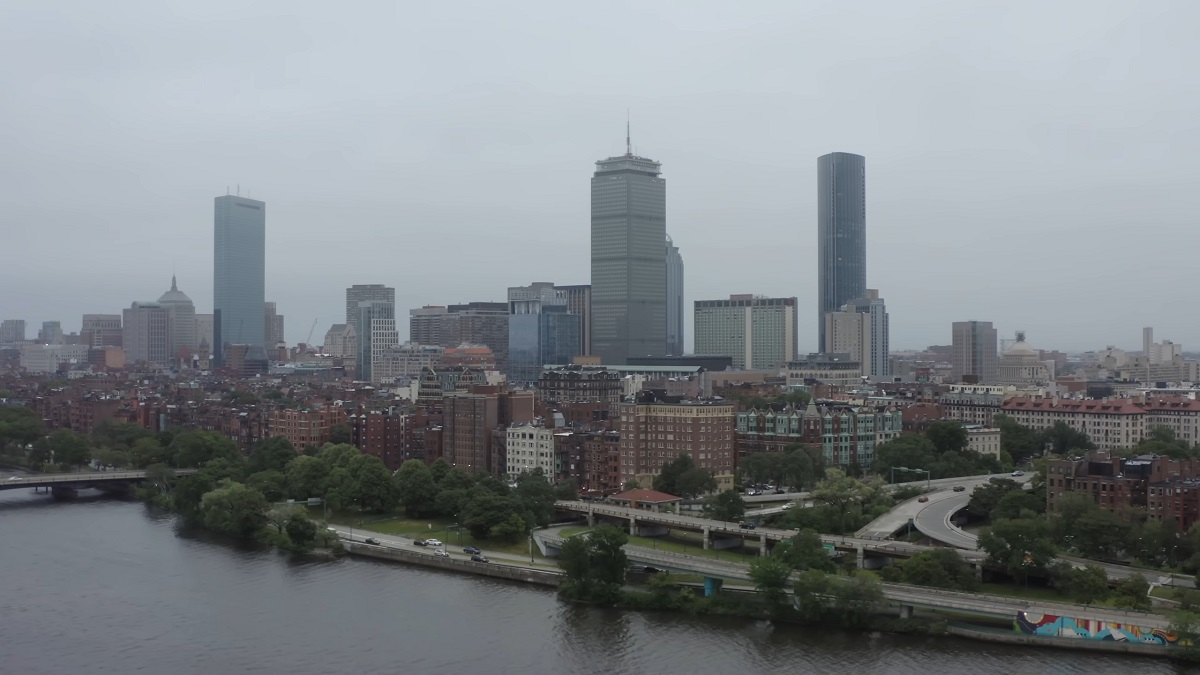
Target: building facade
[(100, 330), (273, 325), (849, 332), (655, 432), (540, 331), (973, 356), (675, 306), (579, 303), (50, 358), (841, 233), (530, 447), (359, 293), (376, 332), (877, 362), (183, 321), (757, 332), (580, 384), (51, 333), (239, 274), (837, 369), (304, 428), (629, 276), (146, 334), (12, 330)]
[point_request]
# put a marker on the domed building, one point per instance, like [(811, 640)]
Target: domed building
[(182, 322), (1021, 363)]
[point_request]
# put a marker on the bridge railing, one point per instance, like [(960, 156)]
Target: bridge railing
[(88, 477)]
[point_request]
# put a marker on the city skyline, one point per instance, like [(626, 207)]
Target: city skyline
[(350, 159)]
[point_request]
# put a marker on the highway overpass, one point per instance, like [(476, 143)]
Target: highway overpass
[(78, 481)]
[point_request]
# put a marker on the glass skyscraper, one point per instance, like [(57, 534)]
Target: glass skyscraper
[(541, 331), (674, 299), (629, 275), (239, 275), (841, 233)]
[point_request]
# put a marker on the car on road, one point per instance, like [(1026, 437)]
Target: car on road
[(441, 553), (434, 542), (959, 488), (421, 542), (789, 505), (372, 540), (752, 493), (780, 491), (1018, 473), (479, 557), (471, 549), (922, 499), (14, 478), (747, 525), (651, 570)]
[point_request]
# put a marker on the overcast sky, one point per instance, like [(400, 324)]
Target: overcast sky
[(1028, 163)]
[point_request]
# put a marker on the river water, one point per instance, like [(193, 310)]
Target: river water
[(107, 586)]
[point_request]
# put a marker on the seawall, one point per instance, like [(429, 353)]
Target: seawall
[(1111, 646), (494, 570)]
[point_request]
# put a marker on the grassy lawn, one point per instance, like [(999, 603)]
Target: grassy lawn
[(1014, 591), (678, 542), (1164, 592)]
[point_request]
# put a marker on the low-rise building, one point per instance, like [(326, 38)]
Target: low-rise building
[(834, 369), (306, 427), (983, 440), (530, 447)]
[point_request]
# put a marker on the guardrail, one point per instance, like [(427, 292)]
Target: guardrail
[(87, 477)]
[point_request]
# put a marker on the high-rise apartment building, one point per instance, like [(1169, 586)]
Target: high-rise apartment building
[(655, 432), (841, 233), (182, 320), (675, 321), (579, 303), (376, 333), (100, 330), (147, 334), (12, 330), (756, 332), (860, 329), (540, 331), (629, 276), (273, 325), (239, 275), (359, 293), (973, 355), (51, 333)]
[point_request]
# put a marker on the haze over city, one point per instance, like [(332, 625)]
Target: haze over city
[(1027, 165)]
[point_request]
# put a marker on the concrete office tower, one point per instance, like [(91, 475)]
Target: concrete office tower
[(973, 352), (841, 233), (579, 303), (359, 293), (51, 333), (147, 334), (757, 332), (674, 299), (877, 364), (428, 326), (273, 325), (239, 275), (100, 330), (12, 330), (629, 276), (376, 333), (182, 321), (541, 331), (849, 332)]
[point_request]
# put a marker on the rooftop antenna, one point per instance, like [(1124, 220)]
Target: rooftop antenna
[(628, 145)]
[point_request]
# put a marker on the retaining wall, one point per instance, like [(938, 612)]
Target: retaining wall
[(494, 570), (1112, 646)]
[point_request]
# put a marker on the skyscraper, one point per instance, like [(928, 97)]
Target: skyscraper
[(239, 275), (757, 332), (973, 352), (541, 330), (629, 276), (146, 328), (12, 330), (273, 325), (878, 364), (366, 293), (675, 322), (376, 331), (841, 233)]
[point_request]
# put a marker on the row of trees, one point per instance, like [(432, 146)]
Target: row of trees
[(941, 450), (842, 504), (798, 466)]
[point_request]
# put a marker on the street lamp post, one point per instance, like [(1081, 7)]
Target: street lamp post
[(905, 469)]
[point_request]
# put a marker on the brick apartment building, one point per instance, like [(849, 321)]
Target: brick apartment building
[(655, 431), (1165, 488)]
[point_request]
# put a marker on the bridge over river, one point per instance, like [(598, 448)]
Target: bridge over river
[(68, 483)]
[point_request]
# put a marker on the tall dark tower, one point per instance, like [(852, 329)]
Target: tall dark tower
[(629, 270), (841, 233)]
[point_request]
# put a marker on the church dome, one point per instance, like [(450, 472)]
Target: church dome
[(1021, 348), (175, 296)]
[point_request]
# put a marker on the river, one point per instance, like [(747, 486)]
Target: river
[(99, 585)]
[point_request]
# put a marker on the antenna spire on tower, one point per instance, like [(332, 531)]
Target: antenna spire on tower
[(628, 145)]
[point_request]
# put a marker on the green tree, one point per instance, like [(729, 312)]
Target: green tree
[(986, 497), (695, 482), (452, 502), (194, 448), (188, 493), (1185, 624), (802, 466), (70, 448), (1018, 546), (454, 479), (939, 568), (1133, 592), (727, 506), (679, 475), (19, 426), (908, 451), (306, 477), (813, 599), (1019, 504), (841, 492), (1088, 585), (146, 451), (484, 511), (119, 435), (272, 484), (111, 457), (418, 490), (279, 515), (234, 509), (273, 454), (805, 551), (1062, 439), (770, 575), (567, 490), (511, 528), (159, 478), (594, 564), (439, 468), (536, 496), (339, 455), (1020, 442), (631, 484), (373, 487), (341, 434), (301, 531), (947, 436), (40, 454)]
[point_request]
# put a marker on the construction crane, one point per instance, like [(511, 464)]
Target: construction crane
[(308, 342)]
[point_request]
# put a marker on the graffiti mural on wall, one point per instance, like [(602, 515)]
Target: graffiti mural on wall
[(1090, 629)]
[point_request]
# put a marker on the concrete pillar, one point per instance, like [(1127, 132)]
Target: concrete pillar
[(862, 556), (906, 611), (632, 526), (591, 518), (762, 544), (707, 537), (979, 571)]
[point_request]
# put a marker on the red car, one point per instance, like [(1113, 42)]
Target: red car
[(922, 499)]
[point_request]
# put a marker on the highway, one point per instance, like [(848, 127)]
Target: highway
[(932, 518), (455, 551), (75, 479)]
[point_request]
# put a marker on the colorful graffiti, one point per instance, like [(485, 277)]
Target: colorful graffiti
[(1090, 629)]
